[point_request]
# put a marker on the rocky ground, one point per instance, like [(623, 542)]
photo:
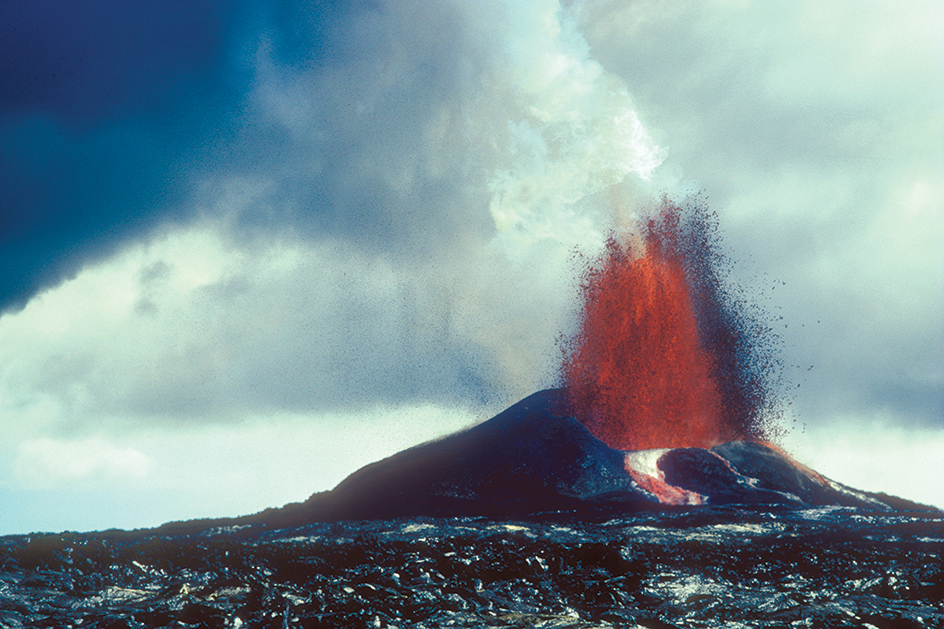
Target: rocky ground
[(689, 567)]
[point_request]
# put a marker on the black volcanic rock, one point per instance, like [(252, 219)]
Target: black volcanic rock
[(534, 458), (773, 471), (708, 566), (531, 457), (708, 474)]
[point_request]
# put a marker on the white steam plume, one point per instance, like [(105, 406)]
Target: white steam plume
[(573, 134), (532, 135)]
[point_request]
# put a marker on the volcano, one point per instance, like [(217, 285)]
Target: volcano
[(646, 492), (669, 399), (534, 459), (525, 520)]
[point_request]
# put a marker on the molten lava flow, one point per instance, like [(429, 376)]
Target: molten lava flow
[(662, 359), (643, 468), (663, 492)]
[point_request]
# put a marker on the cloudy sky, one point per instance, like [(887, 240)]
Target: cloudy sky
[(247, 247)]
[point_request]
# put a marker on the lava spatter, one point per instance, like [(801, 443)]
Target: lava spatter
[(664, 357)]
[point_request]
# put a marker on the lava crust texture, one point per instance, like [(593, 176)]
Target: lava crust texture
[(689, 567)]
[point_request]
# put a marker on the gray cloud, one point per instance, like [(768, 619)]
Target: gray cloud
[(387, 220)]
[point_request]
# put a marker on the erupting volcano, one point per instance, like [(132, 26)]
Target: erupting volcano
[(610, 502), (668, 400), (664, 356)]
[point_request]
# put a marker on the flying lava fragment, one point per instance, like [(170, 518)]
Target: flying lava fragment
[(665, 356)]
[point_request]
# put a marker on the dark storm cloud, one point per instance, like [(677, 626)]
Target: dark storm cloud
[(108, 109), (111, 112), (89, 60), (355, 141), (103, 106), (358, 125)]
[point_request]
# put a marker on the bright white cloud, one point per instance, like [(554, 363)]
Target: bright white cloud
[(152, 475), (875, 454), (47, 463), (817, 132), (195, 326), (576, 135)]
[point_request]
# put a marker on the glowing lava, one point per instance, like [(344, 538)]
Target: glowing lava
[(664, 358), (643, 467)]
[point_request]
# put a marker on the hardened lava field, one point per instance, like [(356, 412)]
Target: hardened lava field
[(692, 567)]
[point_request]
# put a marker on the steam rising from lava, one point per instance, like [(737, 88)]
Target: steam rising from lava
[(666, 356)]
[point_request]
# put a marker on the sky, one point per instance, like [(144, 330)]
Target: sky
[(248, 247)]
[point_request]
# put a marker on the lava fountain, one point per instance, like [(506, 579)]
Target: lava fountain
[(665, 356)]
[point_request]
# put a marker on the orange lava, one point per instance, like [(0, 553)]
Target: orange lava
[(665, 493), (637, 372)]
